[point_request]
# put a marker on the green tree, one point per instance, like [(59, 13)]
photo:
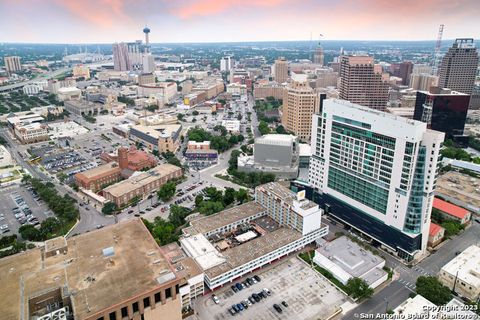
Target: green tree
[(180, 117), (167, 191), (109, 208), (29, 232), (195, 113), (281, 130), (171, 158), (358, 288), (198, 200), (242, 195), (177, 215), (229, 196), (451, 227), (433, 290), (210, 207), (263, 128)]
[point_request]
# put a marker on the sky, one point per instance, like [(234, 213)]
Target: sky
[(108, 21)]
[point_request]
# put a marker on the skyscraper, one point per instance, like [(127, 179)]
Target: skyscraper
[(299, 104), (442, 110), (375, 172), (12, 64), (361, 83), (318, 55), (281, 70), (121, 60), (459, 66), (404, 71)]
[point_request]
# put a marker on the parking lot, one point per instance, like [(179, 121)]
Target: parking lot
[(8, 202), (307, 294)]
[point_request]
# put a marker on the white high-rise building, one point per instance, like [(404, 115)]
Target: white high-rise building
[(226, 64), (148, 63), (375, 172)]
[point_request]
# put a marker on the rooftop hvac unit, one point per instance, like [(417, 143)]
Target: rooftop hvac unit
[(60, 314)]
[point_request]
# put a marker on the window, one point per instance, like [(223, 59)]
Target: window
[(112, 316), (168, 293), (101, 318), (146, 302), (157, 297), (135, 307), (177, 288), (124, 312)]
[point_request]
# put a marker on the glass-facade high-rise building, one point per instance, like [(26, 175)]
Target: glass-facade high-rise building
[(443, 110), (375, 172)]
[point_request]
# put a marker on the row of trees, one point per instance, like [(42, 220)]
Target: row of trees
[(453, 152), (221, 142), (250, 179), (216, 200)]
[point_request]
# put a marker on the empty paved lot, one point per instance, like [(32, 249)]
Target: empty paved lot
[(309, 295)]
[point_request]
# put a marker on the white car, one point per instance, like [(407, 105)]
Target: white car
[(215, 299), (3, 227)]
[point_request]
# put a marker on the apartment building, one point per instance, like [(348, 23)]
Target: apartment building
[(141, 185), (376, 172)]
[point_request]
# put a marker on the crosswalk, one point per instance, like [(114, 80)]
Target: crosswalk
[(407, 284)]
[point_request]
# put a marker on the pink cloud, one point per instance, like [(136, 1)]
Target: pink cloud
[(213, 7), (102, 13)]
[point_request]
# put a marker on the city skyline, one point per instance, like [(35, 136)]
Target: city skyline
[(108, 21)]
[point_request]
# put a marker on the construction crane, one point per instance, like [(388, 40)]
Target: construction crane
[(436, 57)]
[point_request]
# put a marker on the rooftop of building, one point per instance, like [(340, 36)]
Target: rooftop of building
[(437, 91), (466, 266), (196, 151), (30, 126), (99, 171), (350, 257), (184, 266), (93, 280), (68, 90), (434, 229), (223, 218), (253, 249), (415, 306), (276, 139), (449, 208), (140, 180), (288, 196), (345, 103), (305, 150), (158, 131)]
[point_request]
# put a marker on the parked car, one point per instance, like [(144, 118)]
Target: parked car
[(267, 291), (277, 308), (240, 306), (285, 304), (239, 286), (232, 311), (235, 307), (252, 300), (244, 304), (215, 299), (234, 288), (257, 278)]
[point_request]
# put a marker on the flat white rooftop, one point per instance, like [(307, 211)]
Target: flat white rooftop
[(467, 264), (204, 253)]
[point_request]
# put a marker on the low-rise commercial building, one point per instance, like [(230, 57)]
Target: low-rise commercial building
[(451, 211), (232, 126), (80, 107), (273, 153), (162, 138), (420, 308), (69, 93), (97, 178), (99, 275), (141, 185), (236, 241), (5, 157), (264, 89), (346, 260), (436, 234), (31, 133), (462, 273)]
